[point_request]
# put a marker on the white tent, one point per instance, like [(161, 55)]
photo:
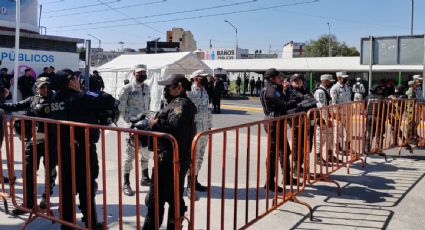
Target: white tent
[(160, 66)]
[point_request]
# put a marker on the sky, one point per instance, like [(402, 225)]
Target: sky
[(261, 24)]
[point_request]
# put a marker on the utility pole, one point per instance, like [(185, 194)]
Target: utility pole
[(96, 39), (329, 39), (122, 46), (411, 17)]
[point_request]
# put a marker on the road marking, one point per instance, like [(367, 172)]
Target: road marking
[(233, 107)]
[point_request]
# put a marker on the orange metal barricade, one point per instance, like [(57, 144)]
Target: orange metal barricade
[(286, 134), (337, 133), (4, 195), (421, 121), (55, 212)]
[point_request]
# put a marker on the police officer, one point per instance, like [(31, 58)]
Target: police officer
[(218, 90), (305, 102), (203, 121), (5, 85), (96, 83), (376, 109), (323, 98), (340, 93), (275, 104), (134, 101), (358, 90), (177, 119), (35, 106), (71, 104), (25, 84)]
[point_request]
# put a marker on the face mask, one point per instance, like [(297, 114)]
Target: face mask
[(167, 94), (141, 78)]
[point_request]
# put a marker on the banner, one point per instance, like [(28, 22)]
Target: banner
[(29, 14)]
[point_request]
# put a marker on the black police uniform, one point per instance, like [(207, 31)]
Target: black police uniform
[(375, 111), (70, 105), (25, 85), (217, 93), (177, 119), (96, 83), (35, 106), (305, 102), (276, 104)]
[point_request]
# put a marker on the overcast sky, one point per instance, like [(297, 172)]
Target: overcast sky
[(261, 24)]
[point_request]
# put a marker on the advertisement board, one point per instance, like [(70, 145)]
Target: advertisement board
[(29, 14), (36, 60), (225, 54)]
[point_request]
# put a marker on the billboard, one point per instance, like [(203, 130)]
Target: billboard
[(225, 54), (393, 50), (36, 60), (29, 14)]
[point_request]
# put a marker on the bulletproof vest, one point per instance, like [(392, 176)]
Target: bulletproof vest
[(266, 108), (328, 96)]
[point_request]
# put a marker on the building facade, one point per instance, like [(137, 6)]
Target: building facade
[(293, 49), (184, 38)]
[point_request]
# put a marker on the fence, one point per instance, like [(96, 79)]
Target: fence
[(4, 195), (283, 136), (319, 143), (80, 167)]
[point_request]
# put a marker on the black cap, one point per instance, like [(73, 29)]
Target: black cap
[(296, 75), (63, 77), (271, 73), (175, 79)]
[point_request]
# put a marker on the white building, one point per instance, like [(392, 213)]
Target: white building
[(185, 38), (293, 49)]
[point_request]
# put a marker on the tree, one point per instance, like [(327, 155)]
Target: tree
[(320, 48)]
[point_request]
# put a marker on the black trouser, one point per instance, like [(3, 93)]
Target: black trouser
[(81, 182), (374, 130), (216, 103), (298, 142), (29, 178), (283, 139), (165, 194)]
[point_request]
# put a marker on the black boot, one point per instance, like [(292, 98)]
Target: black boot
[(94, 223), (199, 187), (128, 191), (145, 181)]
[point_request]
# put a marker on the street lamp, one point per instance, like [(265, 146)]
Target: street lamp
[(122, 46), (329, 39), (411, 17), (96, 39), (236, 30), (156, 44)]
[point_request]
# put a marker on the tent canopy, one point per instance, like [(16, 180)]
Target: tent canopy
[(160, 67)]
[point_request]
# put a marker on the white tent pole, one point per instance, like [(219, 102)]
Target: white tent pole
[(16, 69)]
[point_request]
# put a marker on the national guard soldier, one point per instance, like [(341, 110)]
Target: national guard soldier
[(134, 102), (409, 114), (321, 93), (419, 91), (340, 93), (35, 106), (358, 90), (203, 121), (376, 110), (275, 104), (176, 119), (71, 104)]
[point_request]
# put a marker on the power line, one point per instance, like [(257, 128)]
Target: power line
[(104, 10), (81, 7), (198, 17), (162, 14), (138, 22)]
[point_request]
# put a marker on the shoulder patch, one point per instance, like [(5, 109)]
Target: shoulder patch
[(90, 93), (178, 110)]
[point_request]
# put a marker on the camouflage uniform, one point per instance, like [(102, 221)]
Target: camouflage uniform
[(134, 100), (322, 133), (203, 121), (340, 94), (358, 90)]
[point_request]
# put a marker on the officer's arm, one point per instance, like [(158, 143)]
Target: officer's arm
[(123, 97), (20, 106), (147, 103), (334, 96), (277, 102)]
